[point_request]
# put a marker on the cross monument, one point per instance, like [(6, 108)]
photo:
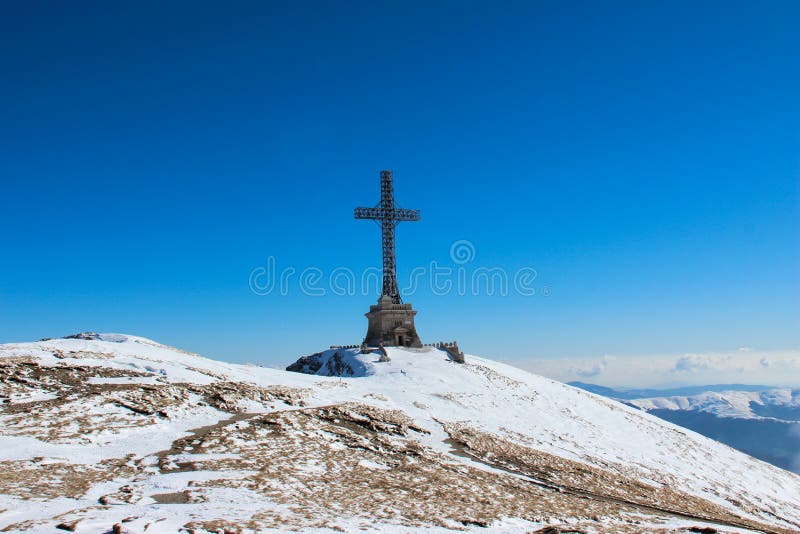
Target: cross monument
[(391, 322)]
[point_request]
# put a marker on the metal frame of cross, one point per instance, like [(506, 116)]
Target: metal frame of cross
[(388, 217)]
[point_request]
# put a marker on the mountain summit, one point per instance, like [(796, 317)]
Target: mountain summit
[(110, 431)]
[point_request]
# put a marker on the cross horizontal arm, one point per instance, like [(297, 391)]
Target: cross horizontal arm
[(397, 214), (369, 213)]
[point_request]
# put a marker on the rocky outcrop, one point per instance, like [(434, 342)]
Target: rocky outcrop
[(307, 364)]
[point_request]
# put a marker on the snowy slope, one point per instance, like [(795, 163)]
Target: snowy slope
[(111, 413), (761, 421), (764, 423)]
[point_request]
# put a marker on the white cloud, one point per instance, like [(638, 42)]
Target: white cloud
[(693, 363), (591, 371), (779, 368)]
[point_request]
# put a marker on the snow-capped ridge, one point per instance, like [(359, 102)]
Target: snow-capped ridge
[(738, 404), (125, 352)]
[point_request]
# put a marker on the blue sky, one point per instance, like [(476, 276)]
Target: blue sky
[(642, 157)]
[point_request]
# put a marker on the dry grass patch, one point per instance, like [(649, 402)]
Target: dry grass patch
[(365, 463), (580, 478), (41, 479)]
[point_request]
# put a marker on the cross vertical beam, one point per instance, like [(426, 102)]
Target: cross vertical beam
[(387, 238), (388, 217)]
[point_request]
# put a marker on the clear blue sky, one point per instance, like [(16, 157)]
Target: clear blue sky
[(643, 157)]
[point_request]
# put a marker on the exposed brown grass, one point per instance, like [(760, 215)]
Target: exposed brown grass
[(312, 465), (583, 479)]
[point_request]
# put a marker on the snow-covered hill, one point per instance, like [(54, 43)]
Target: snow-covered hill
[(120, 430)]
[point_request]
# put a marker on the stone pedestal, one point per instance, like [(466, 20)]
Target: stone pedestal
[(391, 325)]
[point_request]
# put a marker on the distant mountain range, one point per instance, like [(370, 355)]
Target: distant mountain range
[(761, 421)]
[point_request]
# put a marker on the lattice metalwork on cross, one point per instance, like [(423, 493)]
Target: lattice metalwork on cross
[(388, 217)]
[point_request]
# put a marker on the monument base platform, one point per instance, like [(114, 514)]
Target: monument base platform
[(391, 325)]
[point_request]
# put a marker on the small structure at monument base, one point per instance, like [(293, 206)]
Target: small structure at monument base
[(451, 349)]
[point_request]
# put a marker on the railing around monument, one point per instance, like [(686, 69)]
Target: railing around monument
[(437, 345), (441, 344)]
